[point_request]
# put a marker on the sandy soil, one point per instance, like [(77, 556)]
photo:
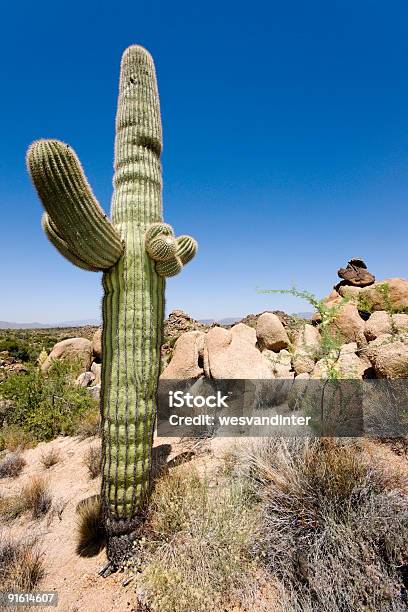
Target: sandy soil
[(74, 578)]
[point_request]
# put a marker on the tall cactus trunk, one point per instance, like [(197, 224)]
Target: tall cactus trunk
[(132, 304), (136, 251)]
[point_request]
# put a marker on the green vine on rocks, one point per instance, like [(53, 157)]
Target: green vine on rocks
[(331, 342)]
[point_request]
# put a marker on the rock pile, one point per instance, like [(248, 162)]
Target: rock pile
[(179, 322), (368, 338), (368, 331)]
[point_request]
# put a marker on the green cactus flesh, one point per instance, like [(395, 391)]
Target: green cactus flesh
[(135, 251)]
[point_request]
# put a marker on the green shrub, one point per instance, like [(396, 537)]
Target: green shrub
[(331, 340), (365, 304), (27, 344), (15, 348), (47, 404)]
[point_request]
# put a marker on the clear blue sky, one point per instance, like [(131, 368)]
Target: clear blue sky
[(286, 142)]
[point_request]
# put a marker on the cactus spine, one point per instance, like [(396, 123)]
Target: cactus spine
[(135, 251)]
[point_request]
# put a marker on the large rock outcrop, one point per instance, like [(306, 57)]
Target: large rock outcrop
[(277, 346), (270, 333), (72, 349), (381, 322), (178, 322), (389, 355), (347, 323), (187, 355), (389, 292), (232, 353)]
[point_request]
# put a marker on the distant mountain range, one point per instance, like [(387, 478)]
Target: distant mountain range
[(83, 322), (36, 325)]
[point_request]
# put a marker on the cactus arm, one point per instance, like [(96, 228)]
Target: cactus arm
[(74, 216), (169, 252), (62, 246), (186, 248)]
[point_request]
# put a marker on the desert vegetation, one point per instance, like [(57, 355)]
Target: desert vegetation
[(333, 524), (41, 405), (92, 461), (11, 465), (33, 497), (21, 564), (27, 344), (288, 525), (50, 458), (284, 524)]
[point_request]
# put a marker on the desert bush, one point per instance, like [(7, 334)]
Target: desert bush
[(21, 565), (91, 535), (50, 458), (47, 404), (27, 344), (195, 545), (33, 497), (37, 496), (15, 438), (15, 348), (89, 424), (92, 460), (11, 507), (334, 526), (365, 304), (11, 465)]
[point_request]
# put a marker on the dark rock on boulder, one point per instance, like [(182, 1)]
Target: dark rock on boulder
[(356, 274)]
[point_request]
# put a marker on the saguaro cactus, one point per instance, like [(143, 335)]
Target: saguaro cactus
[(135, 251)]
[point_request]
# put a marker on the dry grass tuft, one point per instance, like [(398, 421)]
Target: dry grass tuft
[(92, 460), (89, 425), (33, 497), (12, 465), (21, 566), (334, 526), (37, 496), (50, 458), (91, 537), (194, 555)]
